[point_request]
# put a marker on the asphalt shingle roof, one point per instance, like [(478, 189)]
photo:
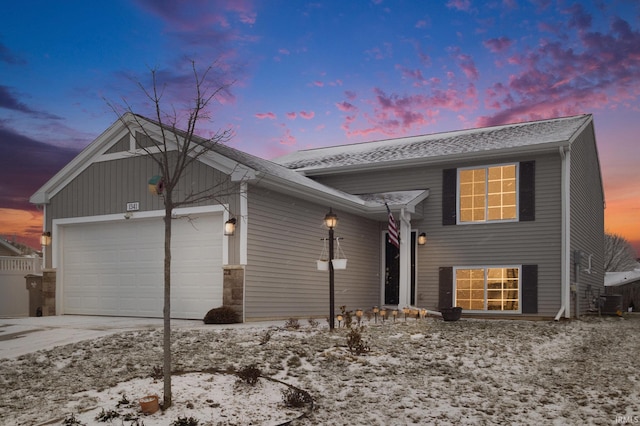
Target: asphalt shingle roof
[(437, 145)]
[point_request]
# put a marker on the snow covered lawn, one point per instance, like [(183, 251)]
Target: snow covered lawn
[(416, 372)]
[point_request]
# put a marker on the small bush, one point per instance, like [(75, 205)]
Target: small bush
[(72, 421), (221, 315), (313, 323), (249, 375), (185, 421), (292, 323), (295, 398), (356, 345), (266, 336), (157, 373), (107, 416)]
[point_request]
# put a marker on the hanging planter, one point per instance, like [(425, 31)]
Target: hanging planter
[(340, 261), (149, 404), (323, 262)]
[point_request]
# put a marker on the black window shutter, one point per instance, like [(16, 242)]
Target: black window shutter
[(445, 288), (527, 191), (529, 289), (449, 183)]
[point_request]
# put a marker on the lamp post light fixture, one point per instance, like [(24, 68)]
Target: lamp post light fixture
[(423, 313), (383, 314), (405, 311), (395, 314), (375, 313), (339, 318), (331, 221), (359, 313)]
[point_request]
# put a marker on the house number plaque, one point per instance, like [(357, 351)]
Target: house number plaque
[(133, 207)]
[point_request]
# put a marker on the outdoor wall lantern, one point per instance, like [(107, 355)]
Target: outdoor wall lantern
[(45, 238), (422, 239), (230, 227), (331, 220)]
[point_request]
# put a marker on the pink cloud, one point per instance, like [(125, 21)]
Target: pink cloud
[(263, 115), (395, 115), (318, 83), (499, 44), (351, 95), (284, 52), (468, 66), (600, 70), (345, 106), (291, 115), (463, 5), (287, 138), (307, 115)]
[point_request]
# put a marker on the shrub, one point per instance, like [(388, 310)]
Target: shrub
[(185, 421), (356, 345), (249, 375), (313, 323), (266, 336), (107, 416), (295, 398), (292, 323), (221, 315), (72, 421)]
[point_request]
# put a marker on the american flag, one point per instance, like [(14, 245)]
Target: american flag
[(394, 238)]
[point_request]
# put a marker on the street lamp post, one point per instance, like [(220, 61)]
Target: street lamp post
[(331, 220)]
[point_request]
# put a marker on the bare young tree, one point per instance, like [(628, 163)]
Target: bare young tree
[(618, 254), (176, 150)]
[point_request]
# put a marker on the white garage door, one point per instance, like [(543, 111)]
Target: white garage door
[(116, 268)]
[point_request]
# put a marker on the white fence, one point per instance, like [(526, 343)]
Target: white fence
[(14, 296)]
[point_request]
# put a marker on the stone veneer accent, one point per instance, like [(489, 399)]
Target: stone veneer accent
[(48, 292), (233, 288)]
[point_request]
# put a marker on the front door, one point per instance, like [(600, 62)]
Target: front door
[(392, 271)]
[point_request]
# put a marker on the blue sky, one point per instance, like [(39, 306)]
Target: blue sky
[(309, 74)]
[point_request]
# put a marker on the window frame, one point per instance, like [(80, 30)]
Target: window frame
[(485, 269), (486, 195)]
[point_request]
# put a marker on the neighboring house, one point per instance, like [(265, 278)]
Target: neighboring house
[(513, 217), (626, 284), (14, 266)]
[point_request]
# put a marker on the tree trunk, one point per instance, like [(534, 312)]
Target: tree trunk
[(167, 303)]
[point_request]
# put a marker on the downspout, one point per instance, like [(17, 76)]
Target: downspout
[(244, 232), (565, 279)]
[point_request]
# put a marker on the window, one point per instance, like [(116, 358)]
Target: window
[(487, 194), (487, 289)]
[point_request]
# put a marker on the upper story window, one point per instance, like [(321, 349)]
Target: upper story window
[(488, 194)]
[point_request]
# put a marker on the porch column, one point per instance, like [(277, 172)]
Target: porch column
[(404, 297)]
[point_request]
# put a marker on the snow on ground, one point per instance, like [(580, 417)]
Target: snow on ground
[(416, 372)]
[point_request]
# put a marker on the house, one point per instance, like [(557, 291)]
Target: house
[(512, 215), (626, 285)]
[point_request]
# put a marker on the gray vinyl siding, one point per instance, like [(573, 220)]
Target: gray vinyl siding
[(515, 243), (587, 221), (106, 187), (285, 240), (123, 145)]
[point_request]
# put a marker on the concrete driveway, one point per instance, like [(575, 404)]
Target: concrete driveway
[(19, 336)]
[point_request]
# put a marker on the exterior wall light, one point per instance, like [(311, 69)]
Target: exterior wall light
[(230, 227), (45, 239), (422, 239)]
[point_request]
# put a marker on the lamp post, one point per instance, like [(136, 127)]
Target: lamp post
[(331, 220)]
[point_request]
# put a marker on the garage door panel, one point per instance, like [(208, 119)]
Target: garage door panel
[(116, 268)]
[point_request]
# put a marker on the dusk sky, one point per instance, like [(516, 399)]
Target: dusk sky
[(312, 74)]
